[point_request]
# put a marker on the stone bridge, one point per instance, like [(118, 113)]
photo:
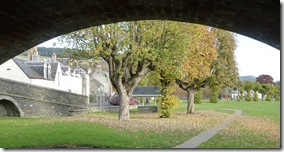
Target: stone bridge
[(25, 100), (26, 23)]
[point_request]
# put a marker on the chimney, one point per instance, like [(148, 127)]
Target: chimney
[(35, 58), (32, 51), (48, 71), (54, 57)]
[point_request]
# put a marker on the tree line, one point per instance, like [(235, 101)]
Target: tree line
[(264, 85), (190, 56), (48, 51)]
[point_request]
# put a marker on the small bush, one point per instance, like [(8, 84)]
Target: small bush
[(198, 97), (92, 100), (167, 105), (255, 96), (213, 95), (268, 97), (241, 96), (248, 97), (277, 98)]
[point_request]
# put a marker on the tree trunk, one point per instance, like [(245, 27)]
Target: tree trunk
[(190, 101), (123, 106)]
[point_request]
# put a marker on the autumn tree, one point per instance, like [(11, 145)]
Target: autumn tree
[(264, 79), (196, 68), (168, 63), (129, 48), (224, 71)]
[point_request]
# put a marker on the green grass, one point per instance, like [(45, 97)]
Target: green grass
[(244, 139), (27, 133), (247, 137), (263, 109), (42, 132), (31, 133)]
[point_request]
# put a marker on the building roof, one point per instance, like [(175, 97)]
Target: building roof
[(53, 69), (64, 69), (26, 69), (64, 61), (145, 91), (35, 70)]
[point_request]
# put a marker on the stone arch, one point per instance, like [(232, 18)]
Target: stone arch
[(34, 22), (9, 107)]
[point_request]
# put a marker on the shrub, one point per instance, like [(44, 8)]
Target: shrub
[(167, 105), (268, 97), (92, 99), (277, 98), (255, 96), (198, 97), (248, 97), (213, 95)]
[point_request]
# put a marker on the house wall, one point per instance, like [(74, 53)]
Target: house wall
[(73, 84), (61, 82), (15, 73), (46, 83), (245, 93), (103, 78)]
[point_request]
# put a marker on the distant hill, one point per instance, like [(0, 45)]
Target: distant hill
[(43, 51), (248, 78)]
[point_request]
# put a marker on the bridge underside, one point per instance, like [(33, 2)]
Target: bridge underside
[(25, 24), (7, 108)]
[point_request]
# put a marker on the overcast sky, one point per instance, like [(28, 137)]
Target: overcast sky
[(256, 58), (253, 57)]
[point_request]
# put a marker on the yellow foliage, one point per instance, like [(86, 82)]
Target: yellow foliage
[(167, 105)]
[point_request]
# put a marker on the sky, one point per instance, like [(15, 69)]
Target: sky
[(253, 57), (256, 58)]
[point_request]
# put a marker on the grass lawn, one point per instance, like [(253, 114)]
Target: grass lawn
[(99, 130), (27, 133), (263, 109), (259, 126)]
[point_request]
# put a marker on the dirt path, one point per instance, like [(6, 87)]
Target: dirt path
[(209, 133)]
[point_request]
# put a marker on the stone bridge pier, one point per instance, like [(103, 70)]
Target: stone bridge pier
[(25, 100)]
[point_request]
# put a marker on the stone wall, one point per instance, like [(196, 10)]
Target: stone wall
[(108, 108), (35, 101), (147, 109)]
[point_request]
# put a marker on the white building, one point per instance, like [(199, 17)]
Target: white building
[(235, 94), (50, 74), (100, 82)]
